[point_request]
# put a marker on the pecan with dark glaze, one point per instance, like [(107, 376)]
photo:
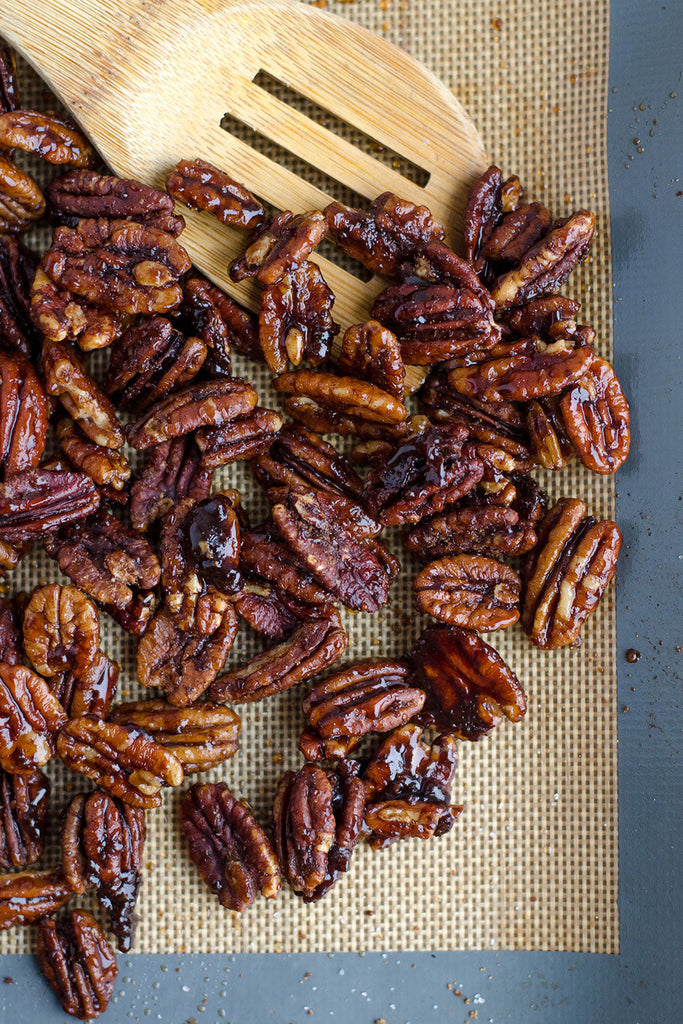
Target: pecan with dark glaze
[(21, 201), (11, 646), (264, 552), (23, 814), (38, 501), (469, 687), (17, 270), (230, 849), (84, 193), (489, 198), (209, 404), (102, 843), (23, 415), (471, 591), (106, 467), (89, 691), (240, 439), (78, 963), (52, 139), (201, 737), (269, 610), (596, 416), (299, 458), (26, 896), (29, 718), (538, 316), (61, 316), (295, 322), (80, 395), (201, 186), (517, 231), (222, 325), (550, 442), (371, 352), (317, 818), (279, 246), (61, 630), (9, 86), (172, 471)]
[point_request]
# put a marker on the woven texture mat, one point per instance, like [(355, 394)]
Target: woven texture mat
[(532, 862)]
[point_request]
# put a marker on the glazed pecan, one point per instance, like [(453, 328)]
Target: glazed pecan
[(121, 759), (538, 316), (118, 264), (517, 231), (61, 630), (89, 691), (299, 458), (23, 415), (150, 360), (315, 644), (201, 737), (23, 813), (61, 316), (183, 664), (471, 591), (263, 551), (489, 198), (21, 201), (9, 86), (26, 896), (52, 139), (83, 193), (383, 236), (102, 843), (11, 647), (550, 443), (230, 849), (11, 555), (279, 246), (17, 270), (242, 438), (269, 610), (408, 788), (38, 501), (347, 405), (113, 564), (596, 416), (295, 322), (80, 395), (222, 325), (373, 695), (78, 963), (548, 263), (318, 817), (209, 404), (201, 186), (172, 471), (421, 476), (371, 352), (106, 467), (469, 687), (29, 718), (567, 573)]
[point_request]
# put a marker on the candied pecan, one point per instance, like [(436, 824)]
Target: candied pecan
[(23, 415), (300, 458), (9, 86), (538, 315), (355, 402), (78, 963), (317, 643), (17, 270), (38, 501), (83, 193), (52, 139), (61, 316), (11, 555), (121, 759), (21, 201), (484, 210), (118, 264), (469, 687), (29, 718), (183, 664), (516, 233), (263, 551), (61, 630), (209, 404), (596, 416), (80, 395), (366, 696), (469, 590), (421, 476), (295, 322), (371, 352), (550, 444), (23, 813), (201, 186), (408, 788), (240, 439), (26, 896), (89, 691), (221, 324), (385, 234), (230, 849), (111, 563), (11, 648), (106, 467), (280, 245), (173, 471), (537, 371), (567, 573), (318, 817), (201, 737), (269, 610), (548, 263)]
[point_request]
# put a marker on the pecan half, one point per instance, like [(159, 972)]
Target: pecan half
[(550, 443), (315, 644), (385, 234), (300, 458), (469, 687), (222, 325), (106, 467), (23, 415), (264, 552), (23, 814), (17, 270), (89, 691), (172, 471), (596, 417), (11, 647), (538, 316), (102, 843), (21, 201), (61, 316), (471, 591), (80, 395), (371, 352), (230, 849), (38, 501), (349, 405), (201, 186), (567, 573), (209, 404), (295, 322), (279, 246), (269, 610), (318, 817), (241, 439), (78, 963), (26, 896), (29, 718), (84, 193), (61, 630), (52, 139), (201, 737), (121, 759), (487, 200), (9, 86), (517, 231)]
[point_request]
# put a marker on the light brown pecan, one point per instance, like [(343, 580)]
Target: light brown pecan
[(351, 404), (315, 644), (295, 322), (232, 852), (21, 201), (78, 963), (106, 467), (596, 416), (209, 404), (52, 139), (371, 352), (201, 736), (61, 630), (61, 316), (567, 573), (118, 264), (263, 551), (26, 896), (383, 236), (550, 443), (240, 439), (172, 471), (121, 759), (469, 687), (29, 718), (89, 691), (10, 98), (84, 193), (279, 246), (471, 591), (23, 415), (80, 395), (201, 186), (17, 270), (318, 818), (222, 325), (300, 458), (23, 814), (38, 501)]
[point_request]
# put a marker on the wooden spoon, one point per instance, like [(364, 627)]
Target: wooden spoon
[(150, 81)]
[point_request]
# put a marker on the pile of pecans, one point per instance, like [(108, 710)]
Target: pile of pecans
[(513, 382)]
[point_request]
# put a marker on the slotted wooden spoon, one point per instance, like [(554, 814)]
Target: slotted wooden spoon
[(151, 80)]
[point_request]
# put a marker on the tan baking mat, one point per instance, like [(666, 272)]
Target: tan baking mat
[(532, 862)]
